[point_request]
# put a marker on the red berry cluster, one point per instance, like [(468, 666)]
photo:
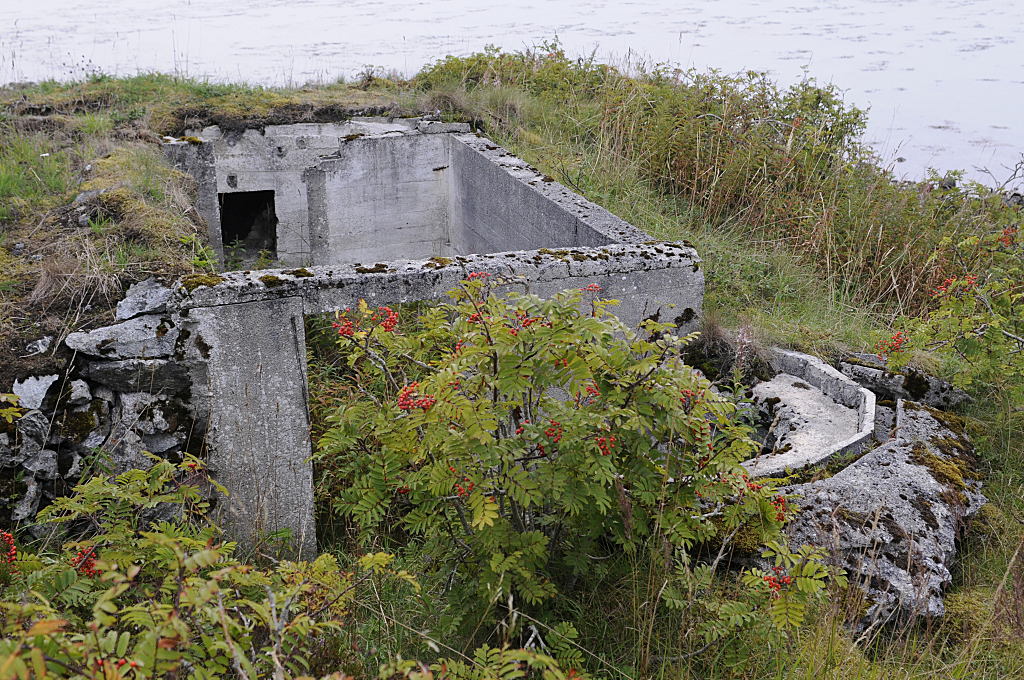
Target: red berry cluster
[(388, 318), (779, 503), (119, 663), (776, 581), (85, 562), (970, 281), (478, 275), (1007, 237), (409, 398), (593, 392), (606, 445), (689, 398), (592, 288), (564, 363), (464, 488), (554, 431), (520, 429), (345, 326), (10, 553), (893, 345)]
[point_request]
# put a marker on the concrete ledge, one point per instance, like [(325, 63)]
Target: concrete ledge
[(660, 278), (840, 389)]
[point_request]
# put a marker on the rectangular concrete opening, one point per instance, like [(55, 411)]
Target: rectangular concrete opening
[(248, 222)]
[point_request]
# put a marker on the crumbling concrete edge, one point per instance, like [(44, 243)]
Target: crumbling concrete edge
[(840, 388), (325, 288), (614, 228)]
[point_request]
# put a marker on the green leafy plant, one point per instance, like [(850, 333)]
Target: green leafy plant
[(514, 438), (146, 590), (978, 319)]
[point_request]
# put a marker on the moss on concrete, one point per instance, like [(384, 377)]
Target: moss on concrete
[(953, 471), (271, 281), (193, 281)]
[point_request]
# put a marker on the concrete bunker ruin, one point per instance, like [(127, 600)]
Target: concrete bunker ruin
[(372, 190), (395, 211), (389, 212)]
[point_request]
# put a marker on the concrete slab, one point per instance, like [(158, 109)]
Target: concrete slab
[(810, 392), (807, 422), (258, 435)]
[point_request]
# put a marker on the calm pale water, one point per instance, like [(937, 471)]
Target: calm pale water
[(944, 79)]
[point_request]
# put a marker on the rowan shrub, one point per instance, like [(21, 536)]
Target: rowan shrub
[(507, 440)]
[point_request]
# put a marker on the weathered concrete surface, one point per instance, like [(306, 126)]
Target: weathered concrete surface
[(500, 203), (258, 433), (806, 424), (662, 281), (817, 444), (380, 197), (870, 371), (271, 159), (891, 518), (373, 190)]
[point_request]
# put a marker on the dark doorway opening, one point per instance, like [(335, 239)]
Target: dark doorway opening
[(248, 226)]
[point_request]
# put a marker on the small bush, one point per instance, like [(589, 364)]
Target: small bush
[(509, 440)]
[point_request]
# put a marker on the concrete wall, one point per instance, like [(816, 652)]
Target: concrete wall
[(369, 191), (253, 385), (380, 198), (271, 159), (501, 203)]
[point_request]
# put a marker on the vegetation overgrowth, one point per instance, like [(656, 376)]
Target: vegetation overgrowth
[(807, 240)]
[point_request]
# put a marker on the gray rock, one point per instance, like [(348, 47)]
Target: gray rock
[(885, 422), (87, 425), (28, 504), (32, 391), (892, 517), (39, 346), (33, 432), (145, 297), (144, 413), (162, 443), (43, 465), (140, 375), (100, 411), (869, 371), (86, 196), (80, 393), (144, 337), (9, 456), (125, 449)]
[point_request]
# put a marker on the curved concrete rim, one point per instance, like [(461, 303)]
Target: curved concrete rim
[(834, 384)]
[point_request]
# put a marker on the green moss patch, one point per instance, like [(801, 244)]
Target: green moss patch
[(193, 281)]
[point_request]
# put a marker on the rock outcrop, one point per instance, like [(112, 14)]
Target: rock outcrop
[(892, 518), (870, 372), (125, 393)]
